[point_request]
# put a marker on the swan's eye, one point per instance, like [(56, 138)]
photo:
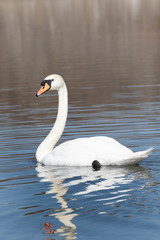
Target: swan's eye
[(42, 83)]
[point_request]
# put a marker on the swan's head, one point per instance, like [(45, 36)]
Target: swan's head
[(52, 82)]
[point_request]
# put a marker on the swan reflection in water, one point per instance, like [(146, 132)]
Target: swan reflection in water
[(87, 182)]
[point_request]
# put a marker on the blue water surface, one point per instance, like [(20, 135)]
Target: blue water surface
[(78, 202)]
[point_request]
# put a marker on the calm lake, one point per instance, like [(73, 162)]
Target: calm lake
[(108, 52)]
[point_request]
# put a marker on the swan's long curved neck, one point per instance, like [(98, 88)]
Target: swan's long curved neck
[(50, 141)]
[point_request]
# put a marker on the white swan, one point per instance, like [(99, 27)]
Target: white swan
[(80, 151)]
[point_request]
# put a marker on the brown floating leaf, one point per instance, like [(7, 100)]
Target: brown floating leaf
[(47, 225)]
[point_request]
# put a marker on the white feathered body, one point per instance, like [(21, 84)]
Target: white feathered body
[(83, 151)]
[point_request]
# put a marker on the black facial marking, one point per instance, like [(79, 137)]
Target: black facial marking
[(46, 81)]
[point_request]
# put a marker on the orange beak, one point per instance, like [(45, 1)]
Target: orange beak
[(43, 89)]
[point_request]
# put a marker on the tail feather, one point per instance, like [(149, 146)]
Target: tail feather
[(136, 157), (143, 154)]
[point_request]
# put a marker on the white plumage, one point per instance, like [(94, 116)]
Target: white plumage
[(80, 151)]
